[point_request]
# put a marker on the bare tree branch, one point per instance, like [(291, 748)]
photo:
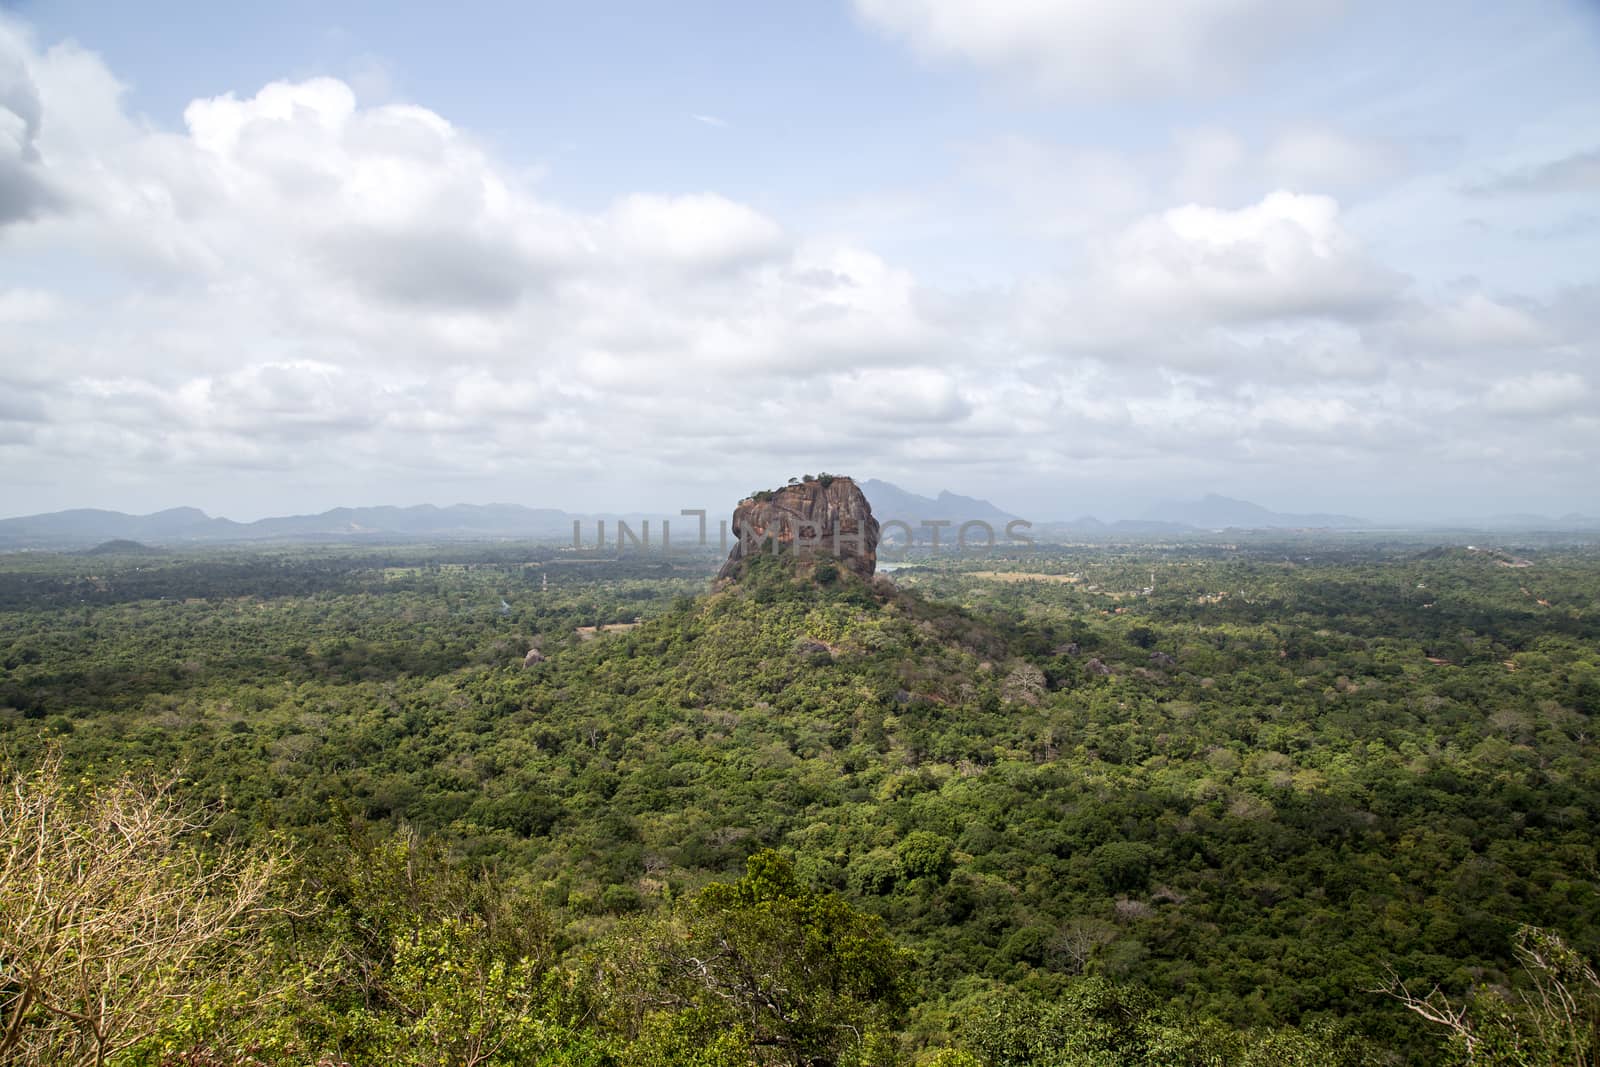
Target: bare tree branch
[(112, 915)]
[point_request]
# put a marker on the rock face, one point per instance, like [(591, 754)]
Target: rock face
[(828, 516)]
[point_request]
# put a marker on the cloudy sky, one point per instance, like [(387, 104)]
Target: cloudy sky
[(1072, 256)]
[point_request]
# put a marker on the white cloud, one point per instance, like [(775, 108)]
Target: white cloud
[(25, 192), (926, 395), (298, 279), (20, 307), (1287, 256), (362, 295), (1544, 393), (702, 232), (1308, 415), (1099, 46), (1471, 322), (1219, 165)]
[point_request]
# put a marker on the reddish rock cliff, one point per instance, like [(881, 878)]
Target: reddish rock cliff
[(826, 516)]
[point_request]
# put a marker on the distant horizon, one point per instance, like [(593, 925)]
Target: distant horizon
[(1039, 517)]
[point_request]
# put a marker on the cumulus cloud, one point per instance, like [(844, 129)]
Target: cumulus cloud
[(700, 232), (296, 276), (25, 192), (1215, 164), (1099, 46), (1543, 393), (296, 281), (1176, 287), (1472, 322), (927, 395), (1287, 256), (428, 266)]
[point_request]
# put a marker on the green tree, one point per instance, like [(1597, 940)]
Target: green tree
[(924, 854), (808, 978)]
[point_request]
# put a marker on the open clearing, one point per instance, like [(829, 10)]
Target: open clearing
[(1026, 576)]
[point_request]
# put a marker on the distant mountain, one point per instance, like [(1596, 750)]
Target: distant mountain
[(889, 501), (1526, 523), (122, 547), (421, 520), (90, 526), (86, 527), (1213, 512)]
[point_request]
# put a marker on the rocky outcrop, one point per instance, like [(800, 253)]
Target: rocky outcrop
[(825, 516)]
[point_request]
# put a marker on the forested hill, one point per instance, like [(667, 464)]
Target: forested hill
[(1216, 796)]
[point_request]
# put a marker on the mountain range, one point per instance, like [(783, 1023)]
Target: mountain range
[(88, 526), (889, 501), (85, 527)]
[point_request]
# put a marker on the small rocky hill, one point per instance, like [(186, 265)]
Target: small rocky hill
[(123, 547)]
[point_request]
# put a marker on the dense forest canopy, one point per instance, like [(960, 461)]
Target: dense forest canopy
[(1091, 804)]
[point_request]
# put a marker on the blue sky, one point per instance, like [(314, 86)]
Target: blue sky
[(1074, 256)]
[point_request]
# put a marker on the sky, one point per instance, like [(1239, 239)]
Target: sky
[(1071, 256)]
